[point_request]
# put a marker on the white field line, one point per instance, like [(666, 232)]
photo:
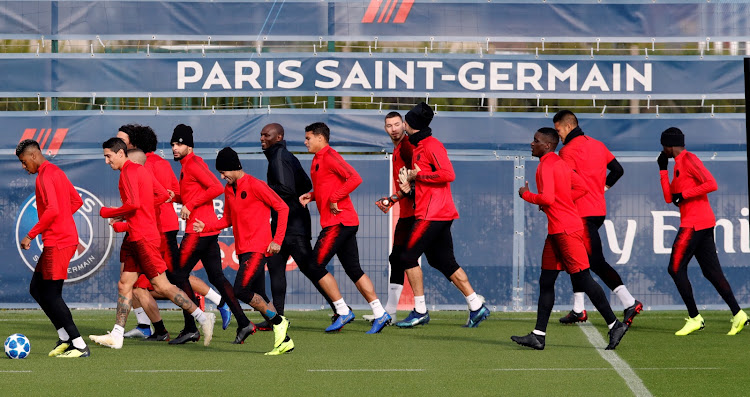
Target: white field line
[(368, 370), (14, 372), (173, 370), (606, 369)]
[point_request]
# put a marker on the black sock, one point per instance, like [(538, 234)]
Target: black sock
[(144, 326), (275, 320), (159, 327)]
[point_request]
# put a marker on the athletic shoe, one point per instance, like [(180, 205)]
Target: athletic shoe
[(285, 347), (380, 323), (108, 340), (616, 334), (738, 322), (371, 317), (531, 340), (59, 348), (138, 332), (73, 352), (185, 337), (243, 333), (226, 315), (208, 328), (413, 319), (264, 326), (631, 312), (573, 317), (158, 337), (335, 315), (477, 316), (691, 324), (279, 331), (341, 321)]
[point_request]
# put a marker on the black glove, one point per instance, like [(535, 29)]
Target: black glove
[(677, 199), (663, 161)]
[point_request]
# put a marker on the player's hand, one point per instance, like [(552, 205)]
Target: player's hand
[(198, 226), (171, 196), (334, 208), (25, 243), (663, 161), (305, 199), (403, 175), (412, 174), (677, 199), (384, 204), (523, 189), (184, 213), (273, 248), (405, 187)]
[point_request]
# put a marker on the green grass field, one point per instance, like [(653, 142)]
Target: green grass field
[(439, 359)]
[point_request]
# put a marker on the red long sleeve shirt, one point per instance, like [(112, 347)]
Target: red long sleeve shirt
[(160, 196), (198, 189), (589, 158), (136, 187), (333, 180), (558, 187), (692, 179), (402, 157), (56, 202), (434, 200), (163, 174), (247, 208)]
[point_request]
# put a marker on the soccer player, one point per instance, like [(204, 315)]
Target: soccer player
[(333, 179), (142, 244), (287, 178), (434, 213), (198, 188), (404, 195), (247, 208), (590, 159), (691, 183), (564, 248), (56, 202)]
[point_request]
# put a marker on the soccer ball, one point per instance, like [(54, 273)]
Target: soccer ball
[(17, 346)]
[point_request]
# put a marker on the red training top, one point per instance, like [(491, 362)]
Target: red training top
[(589, 158), (558, 187), (198, 189), (402, 157), (56, 202), (333, 180), (160, 195), (692, 179), (434, 200), (163, 174), (247, 208)]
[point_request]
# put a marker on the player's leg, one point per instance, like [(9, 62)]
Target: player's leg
[(115, 337), (416, 244), (683, 250), (258, 286), (188, 257), (301, 251), (321, 255), (277, 275), (141, 298), (163, 287), (201, 288)]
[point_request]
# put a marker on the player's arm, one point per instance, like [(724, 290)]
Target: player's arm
[(271, 199), (706, 181), (442, 169), (286, 187), (346, 171), (161, 195), (221, 224), (578, 186), (120, 227), (131, 201), (211, 187), (52, 209), (168, 179), (615, 173), (75, 198), (546, 195)]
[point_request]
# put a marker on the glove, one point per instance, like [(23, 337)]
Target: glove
[(385, 203), (663, 161), (677, 199)]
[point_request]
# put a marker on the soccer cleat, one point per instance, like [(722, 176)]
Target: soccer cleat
[(631, 312), (477, 316), (616, 334), (335, 315), (138, 332), (264, 326), (738, 322), (371, 317), (279, 331), (380, 323), (341, 321), (226, 315), (691, 324), (108, 340), (59, 348), (185, 337), (573, 317), (158, 337), (285, 347), (531, 340), (73, 352), (208, 328), (413, 319), (243, 333)]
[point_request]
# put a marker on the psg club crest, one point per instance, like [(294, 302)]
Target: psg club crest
[(95, 236)]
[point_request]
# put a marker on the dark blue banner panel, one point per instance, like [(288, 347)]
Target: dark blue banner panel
[(360, 74), (408, 20)]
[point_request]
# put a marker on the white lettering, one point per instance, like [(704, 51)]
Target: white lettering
[(429, 75), (632, 75), (477, 81), (496, 77), (554, 74), (216, 76), (335, 79), (595, 79), (523, 79), (183, 78), (252, 78), (407, 77), (627, 244), (728, 228), (357, 76), (660, 228), (285, 69)]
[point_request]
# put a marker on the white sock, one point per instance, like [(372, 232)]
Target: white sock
[(394, 294), (63, 334), (474, 302), (213, 296), (199, 315), (538, 332), (612, 325), (78, 343), (624, 295), (578, 305), (141, 316), (341, 308), (419, 304), (118, 331), (377, 308)]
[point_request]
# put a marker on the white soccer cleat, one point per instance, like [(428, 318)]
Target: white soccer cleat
[(207, 328), (107, 340)]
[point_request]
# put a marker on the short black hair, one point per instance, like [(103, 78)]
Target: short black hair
[(319, 128), (392, 115), (551, 134), (566, 116), (115, 144), (25, 144), (145, 139), (130, 129)]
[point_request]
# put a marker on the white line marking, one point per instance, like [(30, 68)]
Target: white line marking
[(623, 369), (604, 369), (173, 370), (366, 370), (14, 372)]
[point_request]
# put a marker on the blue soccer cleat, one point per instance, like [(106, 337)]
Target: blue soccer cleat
[(413, 319), (226, 315), (340, 322), (379, 323), (476, 317)]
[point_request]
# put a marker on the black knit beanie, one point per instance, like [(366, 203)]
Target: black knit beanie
[(672, 136), (183, 134), (227, 160), (420, 116)]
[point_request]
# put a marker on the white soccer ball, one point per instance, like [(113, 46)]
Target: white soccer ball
[(17, 346)]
